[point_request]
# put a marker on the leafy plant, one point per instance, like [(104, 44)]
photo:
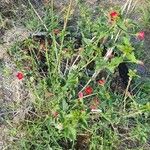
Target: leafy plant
[(68, 101)]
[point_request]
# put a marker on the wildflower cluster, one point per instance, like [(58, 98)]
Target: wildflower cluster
[(72, 75)]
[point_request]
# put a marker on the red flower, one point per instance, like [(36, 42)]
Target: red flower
[(113, 15), (80, 95), (140, 35), (101, 82), (20, 75), (88, 90)]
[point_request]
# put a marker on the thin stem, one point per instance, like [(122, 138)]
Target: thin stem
[(129, 6), (38, 15), (88, 63), (124, 6), (64, 29), (66, 67), (74, 62), (133, 114), (126, 93)]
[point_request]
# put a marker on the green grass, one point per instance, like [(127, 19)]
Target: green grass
[(145, 20), (56, 72)]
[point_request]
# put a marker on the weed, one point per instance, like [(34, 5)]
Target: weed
[(57, 72)]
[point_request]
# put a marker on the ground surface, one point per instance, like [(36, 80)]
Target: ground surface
[(11, 31)]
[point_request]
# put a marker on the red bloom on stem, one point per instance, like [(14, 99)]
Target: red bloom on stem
[(113, 15), (141, 35), (80, 95), (88, 90), (101, 82), (20, 75)]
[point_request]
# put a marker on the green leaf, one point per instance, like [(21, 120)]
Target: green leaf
[(72, 80), (132, 73), (70, 132), (83, 122), (121, 25), (73, 133), (146, 107), (126, 49), (87, 41), (64, 105), (100, 63), (131, 57), (126, 41), (114, 63)]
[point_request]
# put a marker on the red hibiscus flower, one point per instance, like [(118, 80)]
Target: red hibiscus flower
[(141, 35), (88, 90), (20, 75), (101, 82), (113, 15)]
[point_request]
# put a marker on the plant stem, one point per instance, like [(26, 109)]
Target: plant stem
[(62, 40), (38, 15), (126, 94)]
